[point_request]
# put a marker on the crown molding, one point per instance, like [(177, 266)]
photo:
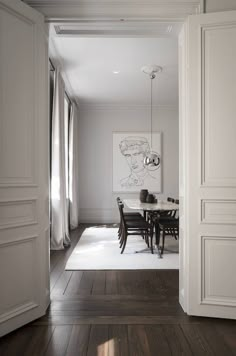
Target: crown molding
[(65, 10), (124, 107), (116, 28)]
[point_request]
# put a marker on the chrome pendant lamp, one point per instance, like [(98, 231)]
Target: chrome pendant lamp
[(152, 159)]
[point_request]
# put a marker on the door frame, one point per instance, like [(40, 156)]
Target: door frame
[(92, 24), (182, 69)]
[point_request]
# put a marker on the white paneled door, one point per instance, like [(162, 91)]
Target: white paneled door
[(24, 223), (211, 179)]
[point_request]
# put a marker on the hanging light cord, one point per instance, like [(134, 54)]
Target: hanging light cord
[(152, 77)]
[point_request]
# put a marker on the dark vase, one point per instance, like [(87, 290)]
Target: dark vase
[(143, 195), (150, 198)]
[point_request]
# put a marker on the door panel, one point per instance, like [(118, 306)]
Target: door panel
[(218, 105), (216, 288), (211, 182), (24, 216)]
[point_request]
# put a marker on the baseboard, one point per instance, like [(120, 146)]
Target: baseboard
[(99, 216)]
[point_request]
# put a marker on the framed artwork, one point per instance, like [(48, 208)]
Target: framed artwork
[(129, 172)]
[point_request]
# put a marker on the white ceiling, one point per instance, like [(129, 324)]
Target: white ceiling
[(88, 64)]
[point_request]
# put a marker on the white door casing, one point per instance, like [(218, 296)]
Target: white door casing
[(211, 168), (24, 214)]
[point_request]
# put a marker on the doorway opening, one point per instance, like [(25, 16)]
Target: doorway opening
[(103, 76)]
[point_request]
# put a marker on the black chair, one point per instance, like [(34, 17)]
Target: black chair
[(128, 215), (137, 214), (134, 227), (168, 213), (153, 217), (168, 226)]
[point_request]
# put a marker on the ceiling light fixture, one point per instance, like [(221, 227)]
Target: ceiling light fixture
[(152, 159), (115, 71)]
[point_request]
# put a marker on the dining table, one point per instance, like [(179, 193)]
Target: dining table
[(161, 205), (152, 209)]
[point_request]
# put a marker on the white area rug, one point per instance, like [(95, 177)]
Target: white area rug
[(98, 249)]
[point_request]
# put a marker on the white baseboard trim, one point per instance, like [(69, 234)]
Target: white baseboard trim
[(99, 216)]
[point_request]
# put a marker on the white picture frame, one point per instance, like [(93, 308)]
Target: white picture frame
[(129, 172)]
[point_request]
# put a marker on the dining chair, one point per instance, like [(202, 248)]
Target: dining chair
[(168, 226), (153, 217), (128, 215), (134, 227)]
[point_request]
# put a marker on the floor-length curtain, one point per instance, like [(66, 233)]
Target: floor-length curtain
[(59, 215), (73, 168)]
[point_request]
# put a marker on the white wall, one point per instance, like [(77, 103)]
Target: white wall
[(97, 202), (219, 5)]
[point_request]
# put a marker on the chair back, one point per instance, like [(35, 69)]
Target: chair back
[(176, 212), (121, 210)]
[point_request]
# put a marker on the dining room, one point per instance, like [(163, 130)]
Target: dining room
[(119, 104)]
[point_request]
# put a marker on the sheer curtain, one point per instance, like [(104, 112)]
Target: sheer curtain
[(59, 215), (73, 168)]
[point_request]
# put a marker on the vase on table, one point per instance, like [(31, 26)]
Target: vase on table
[(150, 198), (143, 195)]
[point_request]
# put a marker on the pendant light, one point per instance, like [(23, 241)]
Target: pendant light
[(152, 159)]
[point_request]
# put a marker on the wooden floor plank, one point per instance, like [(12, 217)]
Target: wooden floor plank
[(59, 341), (176, 340), (196, 339), (63, 256), (227, 330), (27, 341), (78, 343), (98, 341), (112, 284), (73, 285), (118, 340), (122, 277), (55, 258), (86, 283), (158, 343), (218, 342), (99, 283), (61, 284), (144, 320), (138, 341)]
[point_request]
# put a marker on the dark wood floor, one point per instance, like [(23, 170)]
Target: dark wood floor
[(117, 313)]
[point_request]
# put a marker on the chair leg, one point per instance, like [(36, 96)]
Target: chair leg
[(157, 234), (147, 238), (121, 235), (124, 241), (121, 239), (119, 231), (176, 233), (151, 240), (163, 241)]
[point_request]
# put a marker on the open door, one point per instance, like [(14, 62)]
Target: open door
[(24, 216), (211, 165)]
